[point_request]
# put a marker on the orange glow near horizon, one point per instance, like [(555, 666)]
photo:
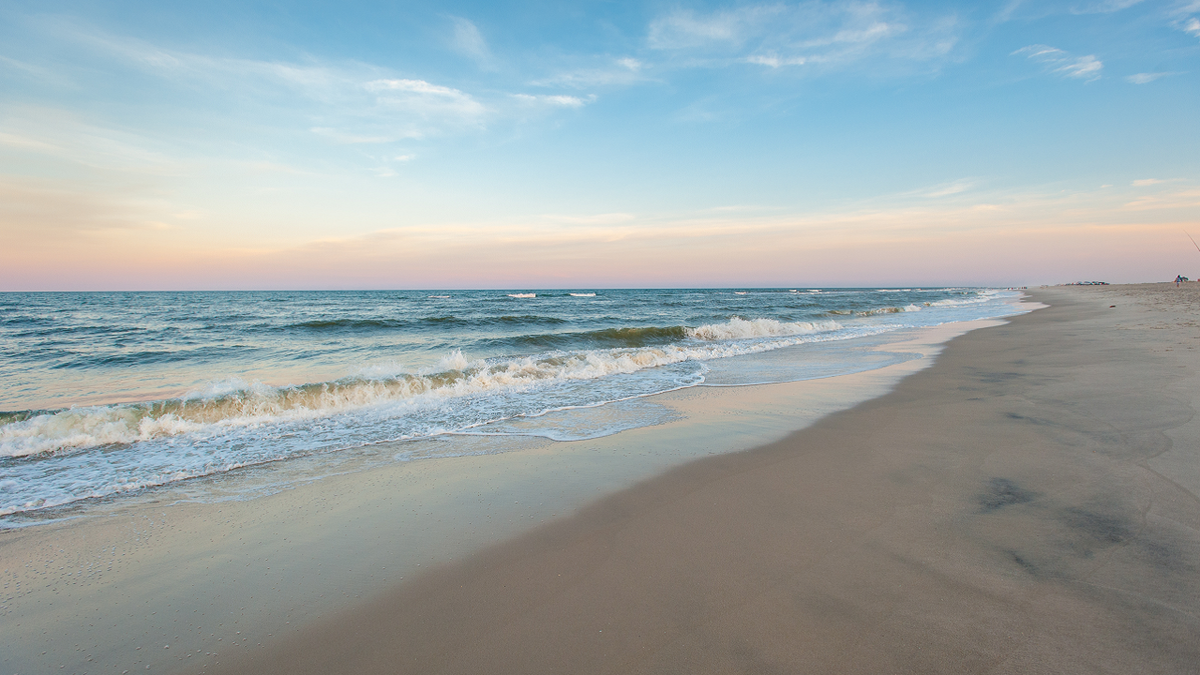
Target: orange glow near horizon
[(1135, 234)]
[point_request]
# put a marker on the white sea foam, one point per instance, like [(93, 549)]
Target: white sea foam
[(237, 422), (583, 295), (978, 299), (740, 329), (233, 403), (522, 295)]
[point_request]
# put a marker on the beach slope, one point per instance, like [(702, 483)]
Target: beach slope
[(1028, 504)]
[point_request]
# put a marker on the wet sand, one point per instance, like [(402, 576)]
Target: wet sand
[(1028, 504)]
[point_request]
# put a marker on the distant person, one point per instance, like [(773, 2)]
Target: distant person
[(1178, 278)]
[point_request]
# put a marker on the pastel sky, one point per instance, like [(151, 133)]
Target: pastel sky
[(259, 145)]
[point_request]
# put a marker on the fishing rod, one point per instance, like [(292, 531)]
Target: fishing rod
[(1193, 240)]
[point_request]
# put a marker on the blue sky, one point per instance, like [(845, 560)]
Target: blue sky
[(379, 145)]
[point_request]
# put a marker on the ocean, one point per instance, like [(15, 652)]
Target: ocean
[(110, 394)]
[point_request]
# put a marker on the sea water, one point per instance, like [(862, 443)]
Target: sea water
[(109, 393)]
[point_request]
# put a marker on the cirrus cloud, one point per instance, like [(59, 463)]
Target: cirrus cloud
[(1061, 63), (830, 34)]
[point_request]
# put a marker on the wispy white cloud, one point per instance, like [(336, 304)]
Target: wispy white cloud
[(684, 28), (947, 189), (468, 41), (68, 139), (936, 192), (347, 102), (558, 101), (430, 101), (38, 212), (1087, 67), (22, 142), (1144, 182), (1145, 78), (877, 30), (1006, 12), (1105, 6), (1061, 63), (1031, 11), (343, 137), (363, 101), (774, 61), (1184, 17), (34, 72), (610, 72), (1181, 199), (829, 34), (595, 219)]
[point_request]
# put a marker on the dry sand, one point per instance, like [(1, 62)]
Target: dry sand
[(1028, 504)]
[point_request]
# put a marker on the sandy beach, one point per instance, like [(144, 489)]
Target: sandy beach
[(499, 338), (1028, 503)]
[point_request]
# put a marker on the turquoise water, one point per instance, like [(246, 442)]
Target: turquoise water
[(109, 393)]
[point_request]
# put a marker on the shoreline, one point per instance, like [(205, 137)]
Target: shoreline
[(133, 576), (1029, 503)]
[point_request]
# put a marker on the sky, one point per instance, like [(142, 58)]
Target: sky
[(393, 145)]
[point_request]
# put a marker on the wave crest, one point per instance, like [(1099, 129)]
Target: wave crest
[(889, 310), (237, 404), (738, 328)]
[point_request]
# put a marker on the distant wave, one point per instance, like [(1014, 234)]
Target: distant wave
[(530, 319), (876, 311), (69, 360), (61, 331), (606, 338), (522, 295), (980, 298), (889, 310), (583, 295), (645, 336), (350, 324), (447, 321), (640, 336)]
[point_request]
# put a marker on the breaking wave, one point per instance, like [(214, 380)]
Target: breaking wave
[(740, 329), (235, 403), (519, 364)]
